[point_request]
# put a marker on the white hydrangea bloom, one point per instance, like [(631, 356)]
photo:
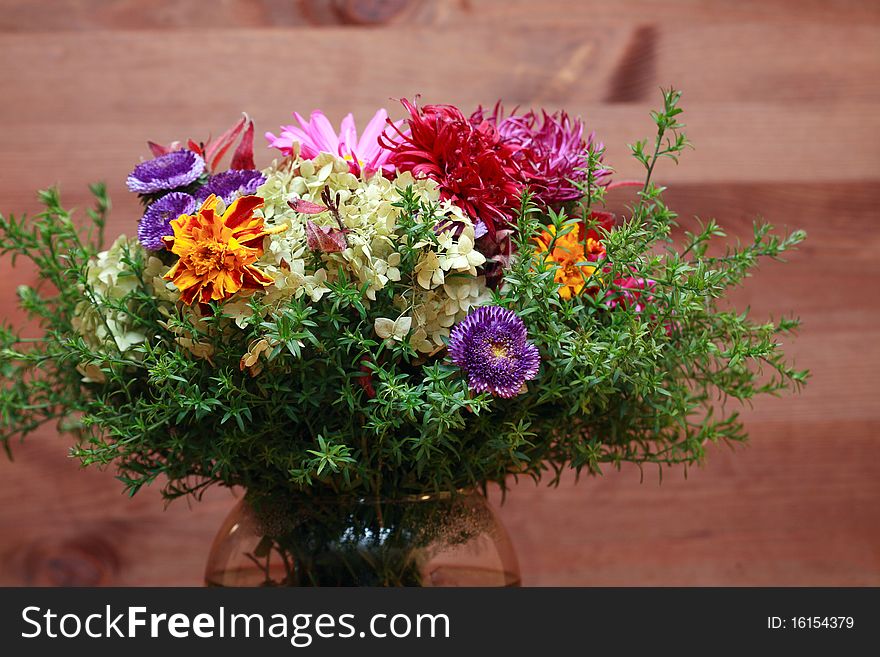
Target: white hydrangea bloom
[(439, 291), (154, 273), (367, 214), (452, 255), (393, 329), (460, 254), (434, 312), (109, 279), (285, 254)]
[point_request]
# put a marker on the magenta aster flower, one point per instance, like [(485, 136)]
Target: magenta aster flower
[(318, 136), (633, 292), (166, 172), (491, 346), (156, 222), (551, 150)]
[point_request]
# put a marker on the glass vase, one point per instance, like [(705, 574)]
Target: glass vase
[(426, 540)]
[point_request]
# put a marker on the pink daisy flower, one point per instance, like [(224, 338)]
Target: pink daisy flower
[(317, 135)]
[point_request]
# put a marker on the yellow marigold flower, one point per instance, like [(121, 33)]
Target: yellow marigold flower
[(217, 251), (571, 255)]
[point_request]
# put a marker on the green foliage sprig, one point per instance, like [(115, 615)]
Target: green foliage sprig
[(335, 410)]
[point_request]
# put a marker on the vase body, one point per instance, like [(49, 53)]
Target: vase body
[(427, 540)]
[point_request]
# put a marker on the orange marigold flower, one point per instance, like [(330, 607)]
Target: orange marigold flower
[(573, 255), (217, 252)]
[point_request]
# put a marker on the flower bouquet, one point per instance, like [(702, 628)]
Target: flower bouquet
[(376, 321)]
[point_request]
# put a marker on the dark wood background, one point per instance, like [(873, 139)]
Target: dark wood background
[(783, 104)]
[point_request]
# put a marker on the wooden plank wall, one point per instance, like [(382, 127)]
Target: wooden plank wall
[(783, 103)]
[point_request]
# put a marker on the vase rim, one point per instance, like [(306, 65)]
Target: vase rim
[(409, 498)]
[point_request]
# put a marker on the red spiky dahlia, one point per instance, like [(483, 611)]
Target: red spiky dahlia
[(471, 163)]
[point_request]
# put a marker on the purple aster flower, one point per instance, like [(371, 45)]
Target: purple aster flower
[(156, 222), (170, 171), (231, 184), (490, 345), (550, 148)]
